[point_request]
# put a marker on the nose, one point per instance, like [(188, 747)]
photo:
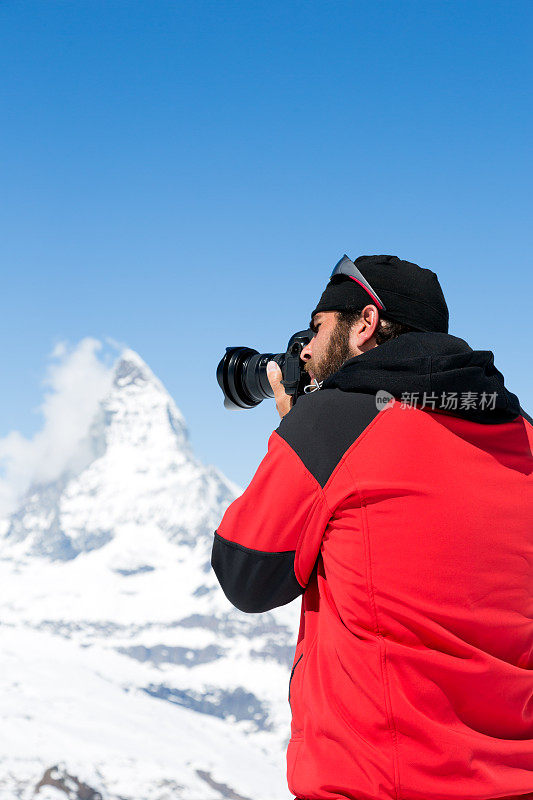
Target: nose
[(306, 353)]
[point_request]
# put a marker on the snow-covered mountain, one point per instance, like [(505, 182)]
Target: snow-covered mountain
[(125, 671)]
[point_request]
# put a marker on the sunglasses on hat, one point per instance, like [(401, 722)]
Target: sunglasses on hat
[(347, 268)]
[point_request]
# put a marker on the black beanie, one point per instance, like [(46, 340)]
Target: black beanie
[(411, 294)]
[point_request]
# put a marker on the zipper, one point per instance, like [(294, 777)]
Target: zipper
[(292, 673)]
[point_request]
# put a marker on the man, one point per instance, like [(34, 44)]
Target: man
[(397, 498)]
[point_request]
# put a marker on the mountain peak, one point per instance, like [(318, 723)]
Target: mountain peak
[(135, 466), (131, 369)]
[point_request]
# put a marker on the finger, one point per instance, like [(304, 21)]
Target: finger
[(275, 376), (283, 400)]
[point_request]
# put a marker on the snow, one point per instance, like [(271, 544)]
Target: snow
[(109, 601)]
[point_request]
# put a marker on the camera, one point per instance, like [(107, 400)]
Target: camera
[(242, 376)]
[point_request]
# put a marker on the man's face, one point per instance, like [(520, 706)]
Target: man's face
[(329, 348)]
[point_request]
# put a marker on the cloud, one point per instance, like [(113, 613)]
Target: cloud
[(77, 380)]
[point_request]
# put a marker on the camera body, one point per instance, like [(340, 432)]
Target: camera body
[(241, 373)]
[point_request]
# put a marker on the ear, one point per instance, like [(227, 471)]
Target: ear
[(362, 333)]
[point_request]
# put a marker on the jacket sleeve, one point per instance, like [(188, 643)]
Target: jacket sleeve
[(266, 546)]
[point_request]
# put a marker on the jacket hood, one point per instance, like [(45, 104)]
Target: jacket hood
[(432, 370)]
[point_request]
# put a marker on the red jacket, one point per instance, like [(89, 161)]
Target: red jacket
[(408, 530)]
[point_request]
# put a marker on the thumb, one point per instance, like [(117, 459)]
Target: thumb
[(275, 376), (283, 400)]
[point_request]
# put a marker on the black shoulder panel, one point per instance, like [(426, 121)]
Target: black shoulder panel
[(324, 424)]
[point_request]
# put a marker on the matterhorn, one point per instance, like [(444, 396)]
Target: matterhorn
[(126, 674)]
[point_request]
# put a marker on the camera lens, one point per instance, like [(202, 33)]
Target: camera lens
[(242, 376)]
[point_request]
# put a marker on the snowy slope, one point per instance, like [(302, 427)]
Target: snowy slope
[(123, 661)]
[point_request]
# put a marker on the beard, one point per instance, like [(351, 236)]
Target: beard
[(338, 351)]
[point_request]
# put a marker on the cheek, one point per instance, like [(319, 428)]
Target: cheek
[(318, 347)]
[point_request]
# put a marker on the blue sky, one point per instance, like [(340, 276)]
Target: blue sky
[(179, 177)]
